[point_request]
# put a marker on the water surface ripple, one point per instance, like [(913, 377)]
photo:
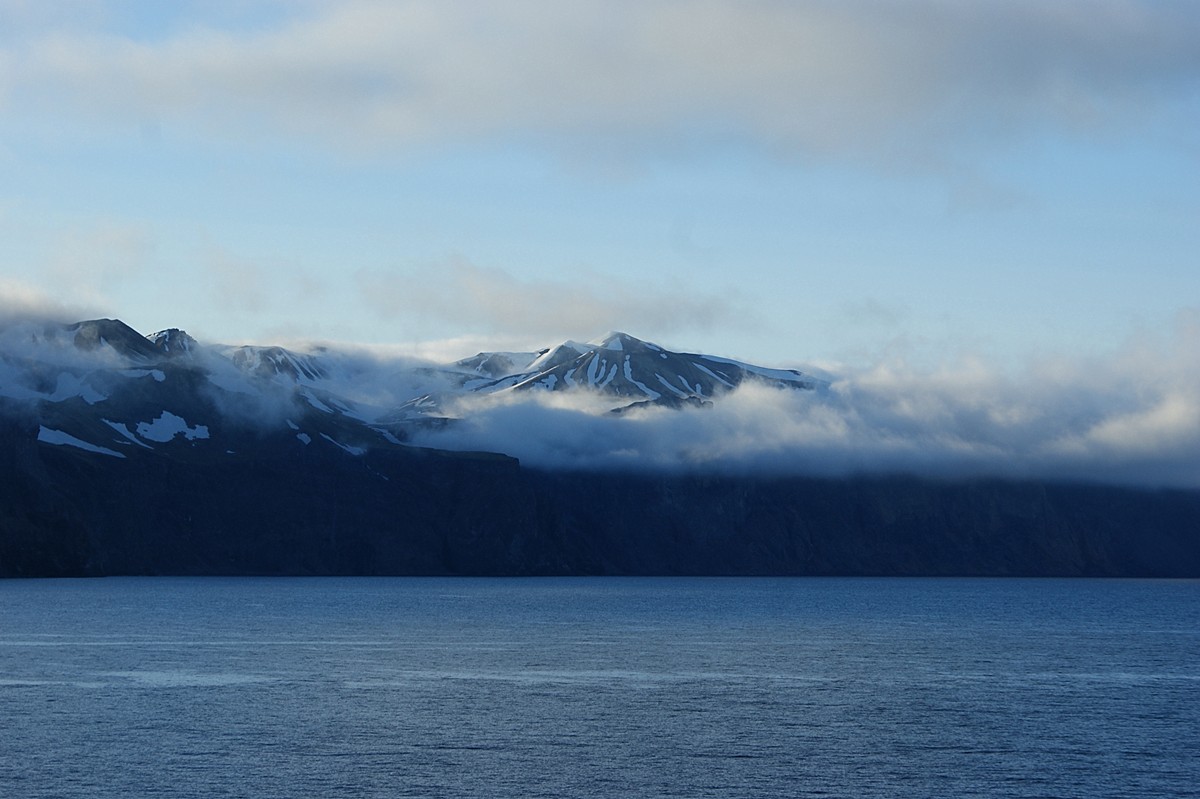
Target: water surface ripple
[(599, 687)]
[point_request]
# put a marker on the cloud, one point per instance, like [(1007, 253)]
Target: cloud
[(844, 78), (235, 282), (100, 255), (494, 300), (21, 301), (1129, 417), (1132, 417), (76, 271)]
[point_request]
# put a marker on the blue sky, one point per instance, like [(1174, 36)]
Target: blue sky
[(830, 183)]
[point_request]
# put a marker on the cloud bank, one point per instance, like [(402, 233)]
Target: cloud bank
[(20, 301), (1131, 418), (493, 299), (850, 77)]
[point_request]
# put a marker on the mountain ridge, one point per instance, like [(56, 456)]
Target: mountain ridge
[(212, 384), (130, 454)]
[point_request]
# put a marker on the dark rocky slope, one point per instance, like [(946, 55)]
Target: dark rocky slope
[(277, 510)]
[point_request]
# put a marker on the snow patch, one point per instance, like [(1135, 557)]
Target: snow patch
[(124, 430), (592, 372), (387, 435), (167, 426), (316, 403), (48, 436), (305, 438), (233, 382), (668, 386), (651, 393), (70, 385), (611, 374), (351, 450), (158, 374), (711, 373)]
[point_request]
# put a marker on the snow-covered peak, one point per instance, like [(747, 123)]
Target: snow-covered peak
[(614, 340), (497, 364), (274, 362), (173, 341), (563, 353)]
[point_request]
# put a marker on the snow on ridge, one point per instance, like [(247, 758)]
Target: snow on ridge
[(57, 437), (787, 375), (712, 374), (613, 340), (567, 351)]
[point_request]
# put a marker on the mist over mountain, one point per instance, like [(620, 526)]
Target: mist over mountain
[(619, 403), (132, 453)]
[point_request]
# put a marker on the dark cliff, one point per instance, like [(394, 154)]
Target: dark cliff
[(270, 511)]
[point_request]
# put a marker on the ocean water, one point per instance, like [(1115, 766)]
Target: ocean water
[(599, 687)]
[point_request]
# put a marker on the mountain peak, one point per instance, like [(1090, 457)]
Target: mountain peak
[(173, 341), (638, 373), (95, 333), (617, 341)]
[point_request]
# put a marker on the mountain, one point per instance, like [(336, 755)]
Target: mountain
[(625, 367), (628, 372), (129, 454), (99, 385)]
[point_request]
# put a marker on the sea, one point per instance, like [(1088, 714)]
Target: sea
[(599, 687)]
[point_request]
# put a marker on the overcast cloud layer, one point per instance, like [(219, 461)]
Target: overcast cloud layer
[(845, 77)]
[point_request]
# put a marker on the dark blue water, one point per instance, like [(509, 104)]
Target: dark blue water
[(599, 687)]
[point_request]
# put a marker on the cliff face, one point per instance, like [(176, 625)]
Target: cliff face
[(883, 526), (66, 512)]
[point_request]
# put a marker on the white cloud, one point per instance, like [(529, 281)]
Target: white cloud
[(1131, 417), (585, 305), (21, 300), (101, 254), (848, 77)]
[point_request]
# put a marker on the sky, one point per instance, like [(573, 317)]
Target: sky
[(980, 219), (849, 185)]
